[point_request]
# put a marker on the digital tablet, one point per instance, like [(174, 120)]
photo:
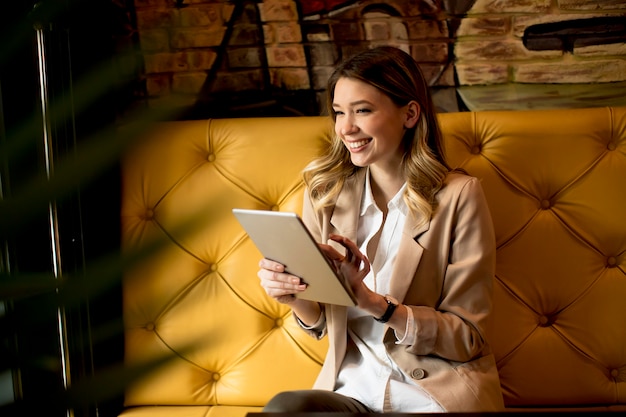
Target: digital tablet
[(283, 237)]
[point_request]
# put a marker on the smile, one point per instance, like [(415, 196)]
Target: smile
[(358, 144)]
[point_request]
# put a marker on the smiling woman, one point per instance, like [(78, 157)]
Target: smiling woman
[(419, 252)]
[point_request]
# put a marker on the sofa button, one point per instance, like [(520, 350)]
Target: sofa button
[(149, 214), (275, 208), (545, 204), (544, 321), (210, 157), (278, 322), (475, 149), (150, 326), (216, 376), (418, 373), (611, 261), (611, 146), (213, 267)]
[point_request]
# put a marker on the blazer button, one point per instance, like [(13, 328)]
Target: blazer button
[(418, 373)]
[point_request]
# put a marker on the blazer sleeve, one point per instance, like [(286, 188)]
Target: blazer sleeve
[(310, 217), (319, 330)]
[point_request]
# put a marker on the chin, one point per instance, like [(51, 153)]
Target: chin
[(358, 163)]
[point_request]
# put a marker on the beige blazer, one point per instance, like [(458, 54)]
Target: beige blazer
[(444, 272)]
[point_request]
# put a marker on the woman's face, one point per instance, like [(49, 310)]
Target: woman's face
[(370, 124)]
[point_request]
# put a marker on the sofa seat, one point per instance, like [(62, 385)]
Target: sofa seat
[(193, 411)]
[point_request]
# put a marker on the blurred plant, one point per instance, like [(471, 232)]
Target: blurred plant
[(54, 157)]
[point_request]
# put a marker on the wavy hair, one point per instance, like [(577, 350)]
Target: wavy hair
[(396, 74)]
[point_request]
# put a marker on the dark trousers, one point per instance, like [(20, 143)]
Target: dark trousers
[(313, 400)]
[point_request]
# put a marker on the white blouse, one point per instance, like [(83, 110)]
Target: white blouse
[(367, 373)]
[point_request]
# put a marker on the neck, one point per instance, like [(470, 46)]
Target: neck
[(385, 185)]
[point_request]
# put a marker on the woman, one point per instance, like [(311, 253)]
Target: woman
[(419, 255)]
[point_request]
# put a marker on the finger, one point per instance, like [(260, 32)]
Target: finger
[(285, 292), (366, 266), (271, 265), (353, 254), (342, 240), (351, 246), (330, 252), (272, 280)]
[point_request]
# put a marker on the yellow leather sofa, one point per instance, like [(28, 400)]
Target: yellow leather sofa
[(555, 181)]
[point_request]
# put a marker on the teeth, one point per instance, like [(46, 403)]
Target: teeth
[(358, 144)]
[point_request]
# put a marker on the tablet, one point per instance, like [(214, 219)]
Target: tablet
[(283, 237)]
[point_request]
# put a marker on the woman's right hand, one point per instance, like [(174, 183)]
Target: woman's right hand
[(278, 284), (284, 288)]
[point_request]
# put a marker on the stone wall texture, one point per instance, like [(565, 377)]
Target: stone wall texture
[(489, 46)]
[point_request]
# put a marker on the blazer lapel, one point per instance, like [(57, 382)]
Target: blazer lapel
[(408, 258), (345, 217), (344, 220)]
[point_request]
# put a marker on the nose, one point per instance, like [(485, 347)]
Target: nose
[(345, 126)]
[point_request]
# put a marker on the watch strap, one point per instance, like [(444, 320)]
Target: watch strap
[(391, 307)]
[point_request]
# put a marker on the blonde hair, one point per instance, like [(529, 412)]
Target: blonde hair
[(397, 75)]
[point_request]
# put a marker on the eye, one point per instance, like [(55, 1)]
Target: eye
[(363, 110), (338, 112)]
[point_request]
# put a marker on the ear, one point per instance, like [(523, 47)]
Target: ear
[(412, 114)]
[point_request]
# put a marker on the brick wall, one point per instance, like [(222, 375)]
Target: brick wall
[(179, 47), (227, 57)]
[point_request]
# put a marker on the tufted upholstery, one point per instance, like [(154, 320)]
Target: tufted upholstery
[(555, 181)]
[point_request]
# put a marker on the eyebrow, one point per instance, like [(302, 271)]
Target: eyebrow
[(355, 103)]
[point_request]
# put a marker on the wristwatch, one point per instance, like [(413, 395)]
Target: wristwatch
[(392, 303)]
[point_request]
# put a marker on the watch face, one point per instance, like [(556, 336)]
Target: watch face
[(391, 299)]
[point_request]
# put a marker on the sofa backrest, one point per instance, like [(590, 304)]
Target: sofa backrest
[(556, 186)]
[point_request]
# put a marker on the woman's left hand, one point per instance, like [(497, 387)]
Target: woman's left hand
[(354, 266)]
